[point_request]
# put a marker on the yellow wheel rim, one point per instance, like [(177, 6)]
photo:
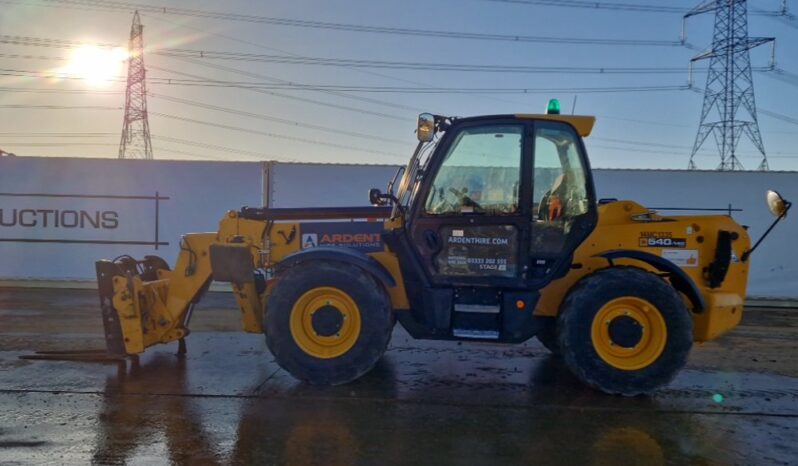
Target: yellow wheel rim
[(629, 333), (325, 322)]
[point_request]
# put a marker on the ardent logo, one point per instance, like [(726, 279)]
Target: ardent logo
[(309, 240), (363, 236), (346, 238)]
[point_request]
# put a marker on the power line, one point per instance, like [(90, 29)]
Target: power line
[(284, 121), (26, 90), (298, 124), (778, 116), (635, 7), (639, 143), (293, 97), (382, 64), (229, 150), (360, 63), (205, 31), (417, 66), (56, 144), (399, 65), (47, 42), (353, 88), (308, 24), (56, 135), (705, 153), (258, 45), (386, 64), (597, 5), (270, 134), (173, 140), (272, 79), (770, 113), (264, 47), (32, 57), (258, 155), (38, 41), (782, 15), (680, 154), (784, 76), (159, 148), (57, 107)]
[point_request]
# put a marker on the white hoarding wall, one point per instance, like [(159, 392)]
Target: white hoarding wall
[(325, 185), (59, 215), (774, 266)]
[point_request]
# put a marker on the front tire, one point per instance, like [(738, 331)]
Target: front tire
[(327, 323), (624, 331)]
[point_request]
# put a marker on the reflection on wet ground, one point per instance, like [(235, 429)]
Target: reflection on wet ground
[(426, 402)]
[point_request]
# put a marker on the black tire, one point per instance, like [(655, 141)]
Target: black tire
[(581, 307), (376, 322), (547, 334)]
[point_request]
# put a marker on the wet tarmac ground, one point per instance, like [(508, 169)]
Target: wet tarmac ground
[(227, 402)]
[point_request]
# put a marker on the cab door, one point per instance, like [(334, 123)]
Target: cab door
[(471, 224), (563, 200)]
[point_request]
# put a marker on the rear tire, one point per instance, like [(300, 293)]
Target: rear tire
[(327, 322), (624, 331)]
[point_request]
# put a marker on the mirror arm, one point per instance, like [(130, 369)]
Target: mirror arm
[(395, 201), (747, 253)]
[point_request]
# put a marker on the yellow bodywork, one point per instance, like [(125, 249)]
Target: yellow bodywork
[(582, 123), (626, 224), (156, 311)]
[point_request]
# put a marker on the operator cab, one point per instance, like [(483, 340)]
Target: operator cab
[(493, 209)]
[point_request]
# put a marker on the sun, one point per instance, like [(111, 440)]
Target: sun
[(98, 66)]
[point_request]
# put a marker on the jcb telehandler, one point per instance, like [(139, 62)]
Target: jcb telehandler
[(493, 234)]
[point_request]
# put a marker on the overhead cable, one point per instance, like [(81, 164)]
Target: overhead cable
[(362, 28), (269, 134)]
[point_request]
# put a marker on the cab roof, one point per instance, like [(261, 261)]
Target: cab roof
[(582, 123)]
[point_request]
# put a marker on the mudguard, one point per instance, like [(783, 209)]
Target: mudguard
[(680, 280), (345, 255)]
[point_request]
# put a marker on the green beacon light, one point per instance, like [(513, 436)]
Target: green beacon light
[(553, 108)]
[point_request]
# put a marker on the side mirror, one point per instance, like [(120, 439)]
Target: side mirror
[(376, 198), (425, 129), (776, 204)]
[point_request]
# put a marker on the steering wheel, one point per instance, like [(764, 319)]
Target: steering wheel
[(464, 200)]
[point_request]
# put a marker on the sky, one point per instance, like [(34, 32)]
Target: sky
[(635, 129)]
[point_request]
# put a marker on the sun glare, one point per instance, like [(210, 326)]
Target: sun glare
[(98, 66)]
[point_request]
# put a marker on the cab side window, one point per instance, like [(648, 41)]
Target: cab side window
[(480, 173), (559, 187)]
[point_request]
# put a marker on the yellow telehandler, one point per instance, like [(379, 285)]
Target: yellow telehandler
[(492, 233)]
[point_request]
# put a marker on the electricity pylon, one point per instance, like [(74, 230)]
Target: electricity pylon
[(135, 143), (729, 83)]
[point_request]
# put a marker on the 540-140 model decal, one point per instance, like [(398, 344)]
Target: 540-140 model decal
[(660, 239)]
